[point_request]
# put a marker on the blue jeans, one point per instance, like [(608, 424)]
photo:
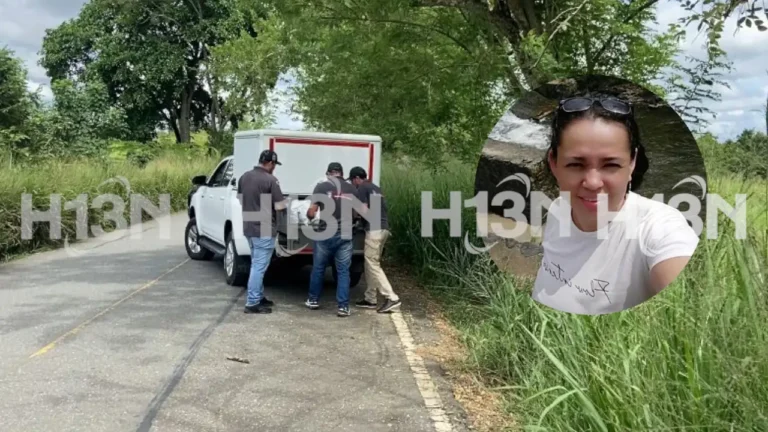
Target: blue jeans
[(261, 255), (340, 250)]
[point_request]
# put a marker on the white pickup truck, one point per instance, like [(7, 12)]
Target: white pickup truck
[(215, 224)]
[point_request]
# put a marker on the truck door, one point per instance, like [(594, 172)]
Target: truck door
[(209, 202), (222, 193)]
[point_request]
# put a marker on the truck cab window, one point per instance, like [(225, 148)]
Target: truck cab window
[(217, 179)]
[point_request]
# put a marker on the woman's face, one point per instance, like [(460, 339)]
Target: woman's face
[(593, 158)]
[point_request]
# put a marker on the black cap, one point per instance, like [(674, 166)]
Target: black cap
[(268, 156), (335, 166), (357, 172)]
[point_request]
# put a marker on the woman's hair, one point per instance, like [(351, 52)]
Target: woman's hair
[(562, 119)]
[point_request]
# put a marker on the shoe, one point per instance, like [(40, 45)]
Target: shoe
[(389, 305), (266, 302), (258, 309), (343, 311), (312, 304), (365, 304)]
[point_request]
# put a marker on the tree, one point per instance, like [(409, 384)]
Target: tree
[(15, 102), (152, 55), (246, 68), (427, 91), (17, 106), (434, 80), (514, 20), (83, 119), (516, 46), (694, 89)]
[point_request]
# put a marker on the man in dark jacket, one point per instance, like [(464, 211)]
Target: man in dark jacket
[(338, 247), (252, 186), (376, 235)]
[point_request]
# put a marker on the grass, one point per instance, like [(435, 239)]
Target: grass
[(694, 358), (169, 174)]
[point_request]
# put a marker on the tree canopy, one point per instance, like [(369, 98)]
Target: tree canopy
[(430, 76)]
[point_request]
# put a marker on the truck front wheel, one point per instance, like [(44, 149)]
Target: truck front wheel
[(237, 267), (195, 250)]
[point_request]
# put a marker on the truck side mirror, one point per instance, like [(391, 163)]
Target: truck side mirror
[(198, 180), (233, 182)]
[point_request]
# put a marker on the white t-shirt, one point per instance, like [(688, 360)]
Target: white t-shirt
[(608, 270)]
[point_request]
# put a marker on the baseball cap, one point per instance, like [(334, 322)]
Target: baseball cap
[(335, 166), (268, 156), (357, 172)]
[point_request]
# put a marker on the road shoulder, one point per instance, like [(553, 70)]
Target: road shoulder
[(468, 403)]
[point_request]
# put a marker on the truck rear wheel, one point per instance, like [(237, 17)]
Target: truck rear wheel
[(237, 267)]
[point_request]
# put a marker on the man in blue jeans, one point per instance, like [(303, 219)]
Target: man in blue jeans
[(339, 246), (259, 225)]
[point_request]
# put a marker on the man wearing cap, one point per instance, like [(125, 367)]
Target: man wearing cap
[(376, 235), (260, 226), (338, 248)]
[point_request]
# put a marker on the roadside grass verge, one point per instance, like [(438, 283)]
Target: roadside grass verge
[(695, 357), (168, 174)]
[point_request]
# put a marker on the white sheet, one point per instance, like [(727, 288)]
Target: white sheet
[(298, 212)]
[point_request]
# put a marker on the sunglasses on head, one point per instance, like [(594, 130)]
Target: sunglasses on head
[(614, 105)]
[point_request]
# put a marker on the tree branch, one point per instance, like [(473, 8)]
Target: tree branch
[(458, 42), (559, 26), (596, 58)]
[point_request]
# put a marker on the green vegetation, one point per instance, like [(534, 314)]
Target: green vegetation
[(153, 91), (169, 173), (691, 358)]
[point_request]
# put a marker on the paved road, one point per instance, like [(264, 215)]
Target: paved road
[(132, 336)]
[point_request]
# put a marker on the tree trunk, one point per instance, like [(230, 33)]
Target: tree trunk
[(171, 119), (184, 123)]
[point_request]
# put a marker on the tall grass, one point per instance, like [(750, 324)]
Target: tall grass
[(693, 358), (168, 174)]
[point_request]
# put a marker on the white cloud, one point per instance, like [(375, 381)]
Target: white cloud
[(747, 80), (22, 28), (45, 91), (281, 99)]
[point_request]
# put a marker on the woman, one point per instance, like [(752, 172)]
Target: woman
[(597, 261)]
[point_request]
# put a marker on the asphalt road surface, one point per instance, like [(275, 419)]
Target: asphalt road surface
[(128, 334)]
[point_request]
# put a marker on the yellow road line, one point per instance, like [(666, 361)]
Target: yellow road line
[(77, 329)]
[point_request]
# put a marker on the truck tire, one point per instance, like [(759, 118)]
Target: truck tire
[(354, 277), (194, 249), (236, 267)]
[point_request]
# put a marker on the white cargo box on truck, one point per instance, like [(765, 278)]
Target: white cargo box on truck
[(305, 155), (215, 212)]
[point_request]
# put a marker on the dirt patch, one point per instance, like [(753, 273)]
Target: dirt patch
[(484, 408)]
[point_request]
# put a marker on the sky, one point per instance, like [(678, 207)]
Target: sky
[(23, 24)]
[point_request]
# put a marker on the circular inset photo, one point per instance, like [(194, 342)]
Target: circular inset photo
[(594, 189)]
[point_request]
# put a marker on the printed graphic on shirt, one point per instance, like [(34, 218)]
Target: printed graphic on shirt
[(585, 286)]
